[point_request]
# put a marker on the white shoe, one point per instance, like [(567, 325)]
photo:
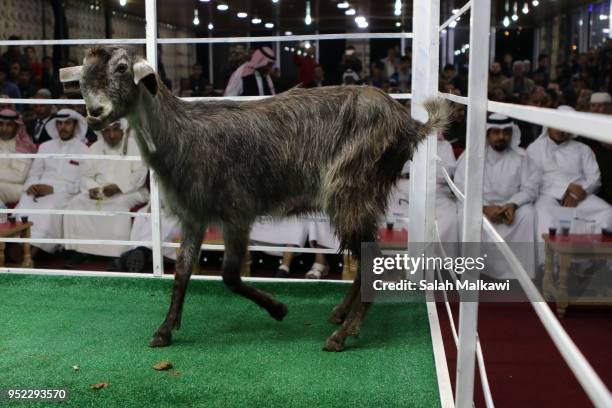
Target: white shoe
[(317, 271)]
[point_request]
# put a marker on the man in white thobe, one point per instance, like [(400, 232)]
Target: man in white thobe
[(509, 190), (52, 182), (570, 179), (13, 172), (106, 185), (137, 258)]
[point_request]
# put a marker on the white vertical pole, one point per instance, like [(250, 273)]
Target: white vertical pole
[(492, 49), (211, 67), (151, 41), (472, 216), (425, 68)]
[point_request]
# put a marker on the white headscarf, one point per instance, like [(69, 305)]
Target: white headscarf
[(564, 108), (124, 125), (499, 121), (80, 130)]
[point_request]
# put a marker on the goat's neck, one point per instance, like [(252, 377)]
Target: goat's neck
[(154, 121)]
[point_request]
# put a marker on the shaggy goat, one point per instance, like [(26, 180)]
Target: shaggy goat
[(336, 149)]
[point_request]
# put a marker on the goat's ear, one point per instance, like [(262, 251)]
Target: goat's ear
[(144, 72), (71, 74)]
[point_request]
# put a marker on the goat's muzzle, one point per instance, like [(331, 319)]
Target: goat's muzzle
[(96, 123)]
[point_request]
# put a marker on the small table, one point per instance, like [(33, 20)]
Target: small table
[(16, 230), (571, 247)]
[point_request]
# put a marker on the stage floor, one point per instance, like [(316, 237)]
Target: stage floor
[(228, 353)]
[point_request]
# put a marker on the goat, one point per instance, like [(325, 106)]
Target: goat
[(336, 149)]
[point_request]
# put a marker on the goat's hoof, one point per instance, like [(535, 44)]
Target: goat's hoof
[(160, 340), (279, 311), (333, 344), (336, 317)]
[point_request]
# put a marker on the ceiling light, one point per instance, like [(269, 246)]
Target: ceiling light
[(269, 25), (242, 14), (210, 26), (343, 5), (452, 24), (525, 9), (122, 3), (222, 7), (398, 24), (196, 19), (350, 12), (256, 20), (308, 18), (506, 21), (288, 33), (535, 3), (398, 8)]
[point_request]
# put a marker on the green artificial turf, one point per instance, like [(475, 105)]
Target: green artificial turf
[(228, 353)]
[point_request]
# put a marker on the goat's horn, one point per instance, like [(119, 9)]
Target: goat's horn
[(71, 74)]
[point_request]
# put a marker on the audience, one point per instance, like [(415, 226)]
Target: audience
[(576, 173), (13, 172), (106, 185), (253, 77), (53, 182), (42, 114), (570, 180), (510, 188)]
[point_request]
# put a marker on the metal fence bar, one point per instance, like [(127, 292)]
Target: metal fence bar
[(472, 217), (454, 17), (24, 211), (151, 36), (591, 125), (187, 99), (68, 156), (426, 15), (283, 38), (586, 376)]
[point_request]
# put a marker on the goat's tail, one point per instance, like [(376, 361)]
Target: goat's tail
[(438, 110)]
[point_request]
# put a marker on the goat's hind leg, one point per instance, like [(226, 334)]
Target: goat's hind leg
[(190, 250), (236, 241), (342, 309)]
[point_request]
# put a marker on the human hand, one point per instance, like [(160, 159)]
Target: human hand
[(111, 190)]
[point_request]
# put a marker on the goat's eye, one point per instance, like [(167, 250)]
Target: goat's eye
[(122, 68)]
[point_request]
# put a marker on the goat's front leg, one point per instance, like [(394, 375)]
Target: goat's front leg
[(190, 250), (236, 239)]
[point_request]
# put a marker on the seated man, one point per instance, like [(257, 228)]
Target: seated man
[(509, 190), (106, 185), (137, 258), (13, 172), (52, 182), (570, 180)]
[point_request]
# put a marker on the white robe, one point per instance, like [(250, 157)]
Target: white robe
[(284, 232), (509, 177), (560, 165), (322, 234), (170, 229), (63, 175), (446, 204), (129, 176), (13, 173)]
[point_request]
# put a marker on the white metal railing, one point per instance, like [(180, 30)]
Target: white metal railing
[(456, 15), (584, 372), (188, 99), (484, 378), (212, 40)]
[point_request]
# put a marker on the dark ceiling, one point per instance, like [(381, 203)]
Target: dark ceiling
[(289, 14)]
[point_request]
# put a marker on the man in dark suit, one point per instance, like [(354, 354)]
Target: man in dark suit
[(42, 114)]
